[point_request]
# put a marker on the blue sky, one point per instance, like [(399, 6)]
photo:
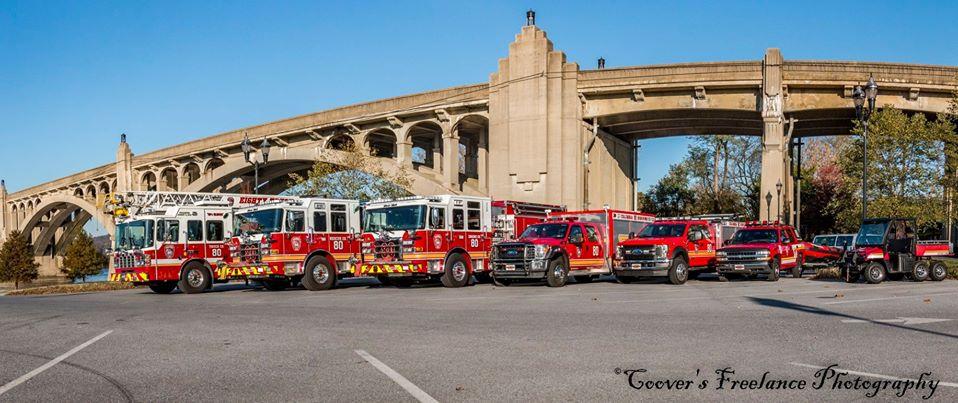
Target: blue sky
[(73, 75)]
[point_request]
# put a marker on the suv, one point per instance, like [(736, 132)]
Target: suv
[(552, 250), (888, 246), (761, 248), (677, 248)]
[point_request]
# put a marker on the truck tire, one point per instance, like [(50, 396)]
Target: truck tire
[(275, 285), (195, 278), (875, 273), (774, 268), (678, 271), (557, 273), (797, 270), (920, 271), (938, 271), (456, 272), (165, 287), (319, 275)]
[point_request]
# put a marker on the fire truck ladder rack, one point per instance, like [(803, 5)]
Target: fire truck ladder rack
[(138, 202), (706, 217), (524, 208)]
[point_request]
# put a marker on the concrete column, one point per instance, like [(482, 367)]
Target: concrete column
[(483, 160), (5, 220), (774, 143), (124, 167), (450, 158)]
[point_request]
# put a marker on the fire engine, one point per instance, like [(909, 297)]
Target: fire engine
[(678, 248), (569, 243), (766, 248), (445, 236), (888, 247), (172, 239), (308, 240)]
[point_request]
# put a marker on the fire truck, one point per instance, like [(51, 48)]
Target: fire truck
[(678, 248), (569, 243), (766, 248), (172, 239), (888, 247), (445, 236), (308, 240)]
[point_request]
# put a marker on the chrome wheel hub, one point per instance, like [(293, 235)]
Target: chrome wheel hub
[(194, 278), (320, 274), (459, 271), (558, 271)]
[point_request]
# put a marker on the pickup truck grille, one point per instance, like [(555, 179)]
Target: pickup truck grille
[(638, 252), (387, 250), (743, 256), (514, 253)]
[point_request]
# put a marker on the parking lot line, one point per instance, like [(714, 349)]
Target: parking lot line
[(889, 298), (410, 387), (880, 376), (26, 377)]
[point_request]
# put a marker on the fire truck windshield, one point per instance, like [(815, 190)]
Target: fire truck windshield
[(662, 231), (554, 231), (754, 236), (134, 235), (258, 222), (872, 234), (398, 218)]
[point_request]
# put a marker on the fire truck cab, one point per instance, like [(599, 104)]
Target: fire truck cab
[(308, 240), (172, 239), (417, 238)]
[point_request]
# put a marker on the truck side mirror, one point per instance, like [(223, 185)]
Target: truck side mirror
[(631, 235), (726, 242), (576, 239), (695, 236)]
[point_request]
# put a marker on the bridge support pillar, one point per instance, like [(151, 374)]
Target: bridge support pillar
[(450, 159), (775, 164), (5, 219), (124, 167), (482, 170)]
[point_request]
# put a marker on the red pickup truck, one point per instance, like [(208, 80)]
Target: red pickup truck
[(677, 248), (765, 248)]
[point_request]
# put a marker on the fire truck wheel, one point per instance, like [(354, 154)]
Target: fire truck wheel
[(456, 273), (319, 274), (773, 273), (275, 285), (557, 273), (195, 279), (875, 273), (165, 287), (938, 271), (919, 272), (797, 270), (679, 271)]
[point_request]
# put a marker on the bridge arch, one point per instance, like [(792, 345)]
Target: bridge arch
[(56, 212), (381, 143)]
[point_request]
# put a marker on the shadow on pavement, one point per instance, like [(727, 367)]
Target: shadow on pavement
[(775, 303)]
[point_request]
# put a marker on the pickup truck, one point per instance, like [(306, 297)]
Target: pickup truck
[(676, 248), (765, 249)]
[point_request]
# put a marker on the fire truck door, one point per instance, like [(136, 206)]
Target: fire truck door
[(787, 249), (216, 250), (195, 247), (702, 244), (592, 247)]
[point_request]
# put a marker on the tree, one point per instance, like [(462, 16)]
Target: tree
[(671, 195), (82, 259), (906, 167), (16, 260), (352, 175)]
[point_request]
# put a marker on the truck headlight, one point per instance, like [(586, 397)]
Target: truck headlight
[(542, 251), (661, 251), (494, 253), (762, 254), (721, 254), (618, 252)]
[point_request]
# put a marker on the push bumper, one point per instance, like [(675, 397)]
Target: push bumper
[(391, 269), (248, 271), (643, 268), (535, 269), (129, 276), (759, 267)]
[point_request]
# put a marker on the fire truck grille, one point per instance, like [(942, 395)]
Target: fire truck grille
[(250, 253), (515, 252), (387, 250), (123, 261), (638, 253)]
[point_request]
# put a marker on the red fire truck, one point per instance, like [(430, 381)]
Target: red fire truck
[(172, 239), (446, 237), (306, 240), (678, 248), (570, 243)]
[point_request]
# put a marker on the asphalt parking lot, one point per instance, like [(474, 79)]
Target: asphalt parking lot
[(480, 343)]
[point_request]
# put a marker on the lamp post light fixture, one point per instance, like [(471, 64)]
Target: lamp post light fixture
[(778, 200), (251, 159), (768, 206), (870, 93)]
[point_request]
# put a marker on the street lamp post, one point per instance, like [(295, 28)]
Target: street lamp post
[(870, 93), (768, 206), (247, 151), (778, 200)]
